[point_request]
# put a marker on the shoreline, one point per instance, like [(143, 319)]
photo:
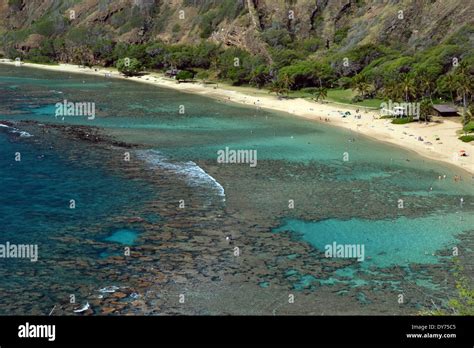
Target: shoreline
[(369, 124)]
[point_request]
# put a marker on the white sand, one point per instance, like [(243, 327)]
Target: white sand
[(446, 149)]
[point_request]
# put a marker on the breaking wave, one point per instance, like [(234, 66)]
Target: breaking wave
[(194, 175)]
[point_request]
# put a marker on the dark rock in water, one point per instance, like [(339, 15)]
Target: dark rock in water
[(108, 310), (119, 295)]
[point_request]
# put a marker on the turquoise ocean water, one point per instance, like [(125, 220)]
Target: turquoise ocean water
[(353, 202)]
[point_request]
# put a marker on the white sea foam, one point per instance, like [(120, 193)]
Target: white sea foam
[(22, 134), (109, 289), (194, 175), (83, 308)]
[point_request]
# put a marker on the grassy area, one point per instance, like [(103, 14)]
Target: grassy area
[(334, 95), (402, 120), (469, 127), (467, 138), (343, 96)]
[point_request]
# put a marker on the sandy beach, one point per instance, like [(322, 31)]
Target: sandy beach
[(418, 137)]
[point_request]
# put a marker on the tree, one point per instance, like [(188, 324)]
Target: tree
[(464, 85), (392, 90), (468, 124), (426, 85), (287, 81), (278, 88), (361, 85), (450, 83), (308, 73), (407, 85), (237, 65), (103, 50), (129, 66), (276, 38), (285, 57), (81, 55), (184, 75), (260, 76), (203, 75), (320, 93), (470, 114), (425, 109)]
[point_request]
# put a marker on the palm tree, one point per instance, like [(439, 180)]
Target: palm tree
[(425, 108), (464, 84), (407, 85), (278, 88), (320, 93), (361, 84), (450, 83), (426, 85), (392, 90), (287, 81), (468, 117)]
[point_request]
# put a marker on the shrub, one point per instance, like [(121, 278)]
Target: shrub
[(311, 45), (359, 57), (207, 24), (103, 50), (237, 65), (469, 127), (180, 56), (285, 57), (340, 35), (203, 75), (176, 28), (44, 27), (260, 76), (344, 82), (35, 56), (403, 120), (467, 138), (204, 54), (79, 36), (185, 75), (277, 38), (129, 67), (307, 74)]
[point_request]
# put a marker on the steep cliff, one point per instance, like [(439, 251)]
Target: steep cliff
[(254, 25)]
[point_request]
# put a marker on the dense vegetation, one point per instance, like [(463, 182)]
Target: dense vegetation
[(309, 66), (443, 72)]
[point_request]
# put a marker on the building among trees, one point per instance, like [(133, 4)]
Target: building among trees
[(445, 110)]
